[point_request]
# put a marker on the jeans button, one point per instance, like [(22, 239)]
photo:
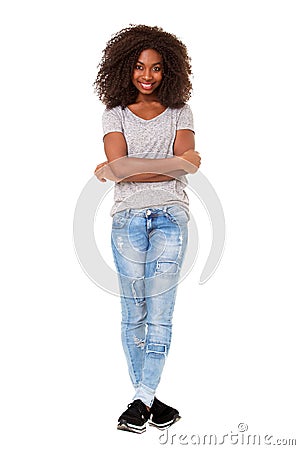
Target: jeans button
[(148, 212)]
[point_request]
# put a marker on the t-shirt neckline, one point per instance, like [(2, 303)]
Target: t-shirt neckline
[(148, 120)]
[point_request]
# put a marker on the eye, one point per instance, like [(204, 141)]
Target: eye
[(139, 67), (157, 69)]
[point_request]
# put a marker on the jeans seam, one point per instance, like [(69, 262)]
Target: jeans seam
[(126, 328)]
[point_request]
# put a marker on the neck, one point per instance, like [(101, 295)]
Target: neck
[(146, 98)]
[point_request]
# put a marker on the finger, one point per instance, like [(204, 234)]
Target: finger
[(98, 171), (101, 165), (103, 180)]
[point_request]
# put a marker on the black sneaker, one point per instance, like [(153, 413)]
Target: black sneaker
[(134, 418), (162, 416)]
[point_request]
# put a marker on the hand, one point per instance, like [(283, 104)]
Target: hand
[(193, 159), (103, 172)]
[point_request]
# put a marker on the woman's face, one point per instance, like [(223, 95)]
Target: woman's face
[(147, 72)]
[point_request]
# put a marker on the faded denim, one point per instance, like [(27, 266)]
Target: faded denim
[(148, 248)]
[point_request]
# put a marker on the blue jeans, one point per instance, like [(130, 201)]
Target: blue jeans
[(148, 248)]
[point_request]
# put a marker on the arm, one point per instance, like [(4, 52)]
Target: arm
[(180, 165), (154, 177), (147, 169)]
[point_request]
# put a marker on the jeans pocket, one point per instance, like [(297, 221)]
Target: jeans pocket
[(178, 214), (119, 221)]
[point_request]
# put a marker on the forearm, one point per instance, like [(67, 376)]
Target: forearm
[(153, 177), (132, 167)]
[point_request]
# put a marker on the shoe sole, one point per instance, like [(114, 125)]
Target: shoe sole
[(164, 426), (124, 426)]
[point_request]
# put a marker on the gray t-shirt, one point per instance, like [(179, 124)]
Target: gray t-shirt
[(152, 138)]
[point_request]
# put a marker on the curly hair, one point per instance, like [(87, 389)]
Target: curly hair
[(113, 84)]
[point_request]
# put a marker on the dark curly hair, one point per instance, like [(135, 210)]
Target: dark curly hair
[(113, 84)]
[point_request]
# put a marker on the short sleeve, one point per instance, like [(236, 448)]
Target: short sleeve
[(112, 120), (185, 119)]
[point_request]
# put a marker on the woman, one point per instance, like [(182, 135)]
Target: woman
[(143, 80)]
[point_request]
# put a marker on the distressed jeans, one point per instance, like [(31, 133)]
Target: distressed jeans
[(148, 248)]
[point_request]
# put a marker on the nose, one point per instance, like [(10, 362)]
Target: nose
[(147, 75)]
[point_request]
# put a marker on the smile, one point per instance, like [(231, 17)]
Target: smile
[(146, 86)]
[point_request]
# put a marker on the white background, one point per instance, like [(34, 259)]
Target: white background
[(235, 354)]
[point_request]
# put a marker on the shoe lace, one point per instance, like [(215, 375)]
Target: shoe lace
[(137, 408)]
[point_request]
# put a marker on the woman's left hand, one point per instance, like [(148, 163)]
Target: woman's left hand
[(103, 172)]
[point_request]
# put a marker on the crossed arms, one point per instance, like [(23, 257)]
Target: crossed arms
[(119, 167)]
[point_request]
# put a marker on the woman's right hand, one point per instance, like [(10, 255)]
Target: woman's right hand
[(193, 159), (103, 172)]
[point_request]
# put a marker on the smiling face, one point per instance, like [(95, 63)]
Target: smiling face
[(147, 72)]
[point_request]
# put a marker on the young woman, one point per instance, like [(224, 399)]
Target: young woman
[(143, 80)]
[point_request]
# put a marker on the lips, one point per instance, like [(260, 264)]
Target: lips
[(146, 86)]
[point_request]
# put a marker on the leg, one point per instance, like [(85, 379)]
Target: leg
[(168, 241), (129, 242)]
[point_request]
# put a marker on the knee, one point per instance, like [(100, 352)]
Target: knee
[(166, 267), (157, 349), (133, 288), (138, 290)]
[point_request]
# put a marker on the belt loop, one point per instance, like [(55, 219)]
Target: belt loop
[(127, 213), (165, 209)]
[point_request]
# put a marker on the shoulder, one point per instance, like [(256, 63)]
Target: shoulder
[(186, 109), (112, 119), (112, 112), (184, 117)]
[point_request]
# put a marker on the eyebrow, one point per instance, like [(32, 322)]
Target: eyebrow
[(155, 64)]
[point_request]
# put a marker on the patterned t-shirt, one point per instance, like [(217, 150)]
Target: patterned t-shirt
[(152, 138)]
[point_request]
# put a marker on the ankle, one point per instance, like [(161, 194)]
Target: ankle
[(147, 407)]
